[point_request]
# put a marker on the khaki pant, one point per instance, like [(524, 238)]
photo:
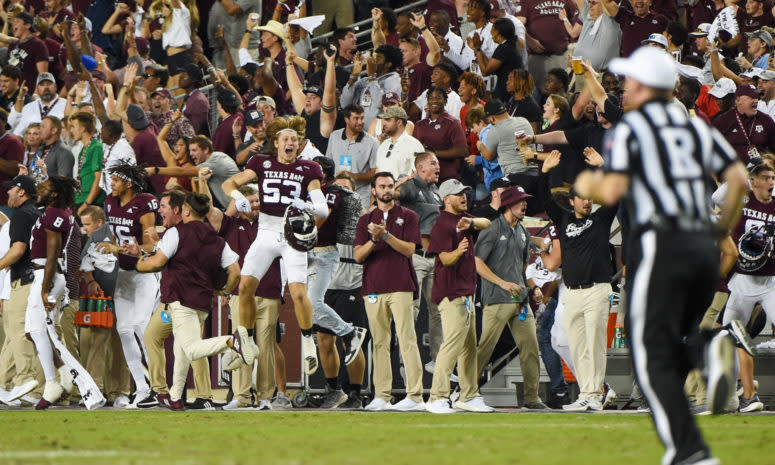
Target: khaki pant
[(381, 309), (423, 268), (67, 331), (459, 347), (586, 324), (103, 358), (695, 386), (494, 318), (22, 365), (266, 336), (155, 334), (189, 345), (539, 66)]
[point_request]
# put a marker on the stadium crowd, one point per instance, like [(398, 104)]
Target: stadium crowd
[(416, 156)]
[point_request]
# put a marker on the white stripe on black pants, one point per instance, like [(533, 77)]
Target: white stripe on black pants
[(673, 279)]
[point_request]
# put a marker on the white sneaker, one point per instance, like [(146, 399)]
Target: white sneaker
[(52, 391), (309, 353), (430, 367), (236, 404), (25, 388), (440, 406), (140, 395), (65, 378), (720, 360), (474, 405), (264, 404), (755, 388), (408, 405), (378, 404), (766, 345), (231, 361), (4, 398), (121, 402), (582, 405)]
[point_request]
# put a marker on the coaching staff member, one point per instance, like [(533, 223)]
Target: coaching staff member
[(452, 238), (662, 161), (385, 240)]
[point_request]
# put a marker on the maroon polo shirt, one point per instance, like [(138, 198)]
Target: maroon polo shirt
[(442, 134), (385, 270), (458, 280), (147, 153), (11, 149), (240, 233), (419, 79), (760, 130), (223, 141), (636, 29), (544, 24)]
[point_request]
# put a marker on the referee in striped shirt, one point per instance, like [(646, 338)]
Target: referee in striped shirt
[(661, 162)]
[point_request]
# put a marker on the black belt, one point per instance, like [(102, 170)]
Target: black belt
[(347, 260), (676, 224), (581, 286), (424, 253), (35, 266)]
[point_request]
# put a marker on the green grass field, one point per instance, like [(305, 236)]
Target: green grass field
[(343, 438)]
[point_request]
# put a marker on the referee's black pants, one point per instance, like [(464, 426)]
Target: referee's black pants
[(671, 277)]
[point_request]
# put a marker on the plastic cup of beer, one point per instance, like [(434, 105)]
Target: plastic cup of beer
[(578, 68)]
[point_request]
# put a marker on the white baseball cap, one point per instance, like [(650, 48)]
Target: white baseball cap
[(722, 88), (701, 31), (648, 65), (656, 38)]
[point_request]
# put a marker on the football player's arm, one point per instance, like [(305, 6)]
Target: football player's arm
[(317, 206), (148, 220), (729, 254), (232, 278), (230, 185), (552, 260), (153, 263), (53, 249), (736, 178)]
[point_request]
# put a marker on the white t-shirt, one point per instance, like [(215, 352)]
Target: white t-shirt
[(179, 32), (113, 155), (453, 106), (169, 247), (310, 152), (401, 159)]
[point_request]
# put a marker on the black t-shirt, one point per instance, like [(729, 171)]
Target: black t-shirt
[(526, 108), (23, 220), (510, 60), (313, 129), (7, 102), (485, 211), (318, 77), (591, 134), (572, 161)]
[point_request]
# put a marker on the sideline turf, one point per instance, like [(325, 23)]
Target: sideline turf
[(343, 438)]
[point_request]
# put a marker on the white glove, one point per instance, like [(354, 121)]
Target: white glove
[(240, 201), (299, 204)]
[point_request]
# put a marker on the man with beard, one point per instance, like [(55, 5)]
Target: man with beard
[(455, 267), (396, 153), (58, 157), (161, 114), (502, 254), (766, 89), (354, 151), (22, 115)]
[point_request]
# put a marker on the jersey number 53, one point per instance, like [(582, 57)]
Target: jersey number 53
[(274, 189)]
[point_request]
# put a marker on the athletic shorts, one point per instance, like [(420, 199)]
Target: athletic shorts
[(136, 297), (348, 305), (36, 314), (268, 246), (177, 63), (745, 291)]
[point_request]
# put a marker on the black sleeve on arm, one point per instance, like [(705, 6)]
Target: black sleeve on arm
[(556, 214), (21, 227)]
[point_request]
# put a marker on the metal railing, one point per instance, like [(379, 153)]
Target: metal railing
[(324, 37)]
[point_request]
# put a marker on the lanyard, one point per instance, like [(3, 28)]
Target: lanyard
[(44, 113), (747, 135)]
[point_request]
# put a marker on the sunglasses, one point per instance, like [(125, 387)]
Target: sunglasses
[(146, 75), (389, 150)]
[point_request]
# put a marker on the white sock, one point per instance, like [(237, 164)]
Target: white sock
[(45, 354), (133, 358)]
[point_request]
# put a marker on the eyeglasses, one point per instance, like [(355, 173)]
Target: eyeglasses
[(389, 150), (146, 75)]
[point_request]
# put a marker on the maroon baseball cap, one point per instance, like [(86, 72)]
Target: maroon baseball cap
[(748, 91), (390, 98), (142, 45), (513, 195), (97, 74), (163, 92)]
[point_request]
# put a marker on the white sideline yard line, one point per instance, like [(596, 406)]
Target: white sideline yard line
[(56, 454)]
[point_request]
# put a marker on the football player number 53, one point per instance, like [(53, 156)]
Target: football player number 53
[(274, 188)]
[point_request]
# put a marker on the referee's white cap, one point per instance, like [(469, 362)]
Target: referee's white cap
[(650, 66)]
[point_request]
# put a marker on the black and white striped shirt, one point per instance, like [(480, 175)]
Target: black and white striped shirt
[(669, 159)]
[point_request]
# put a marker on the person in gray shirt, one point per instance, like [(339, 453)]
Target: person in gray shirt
[(421, 195), (601, 36), (502, 254), (354, 151), (381, 77), (58, 158)]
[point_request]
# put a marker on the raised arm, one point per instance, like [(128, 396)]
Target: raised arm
[(377, 34), (610, 7), (328, 105), (294, 84), (214, 216)]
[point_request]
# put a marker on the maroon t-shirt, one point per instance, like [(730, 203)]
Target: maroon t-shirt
[(34, 7), (147, 153), (59, 18), (197, 110), (636, 29), (124, 221), (458, 280), (748, 23), (279, 183), (327, 232), (11, 149), (419, 79), (704, 11), (240, 233), (442, 134), (544, 24), (25, 56), (759, 129), (53, 219), (668, 9), (223, 141), (755, 213), (385, 270)]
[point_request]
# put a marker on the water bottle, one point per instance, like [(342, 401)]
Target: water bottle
[(523, 313), (83, 304)]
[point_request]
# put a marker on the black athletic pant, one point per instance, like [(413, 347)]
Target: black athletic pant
[(671, 277)]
